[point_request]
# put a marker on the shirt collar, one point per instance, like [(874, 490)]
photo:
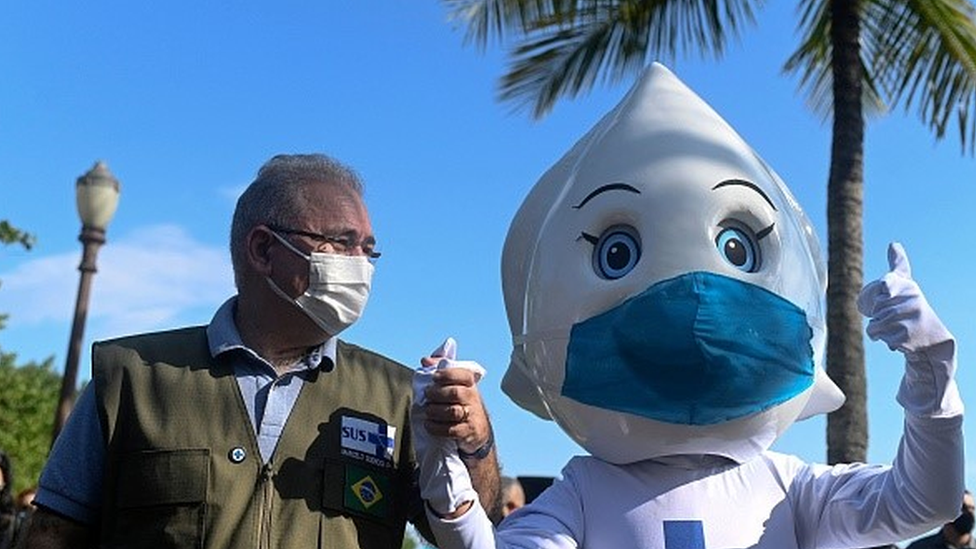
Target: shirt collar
[(223, 337)]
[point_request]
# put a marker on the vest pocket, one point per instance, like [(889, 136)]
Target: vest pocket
[(161, 498)]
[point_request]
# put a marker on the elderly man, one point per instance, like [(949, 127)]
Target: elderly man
[(261, 429)]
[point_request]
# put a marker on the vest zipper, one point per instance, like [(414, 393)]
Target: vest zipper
[(265, 488)]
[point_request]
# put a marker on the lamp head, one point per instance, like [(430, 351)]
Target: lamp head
[(97, 194)]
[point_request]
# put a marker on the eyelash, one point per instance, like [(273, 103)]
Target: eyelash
[(588, 237)]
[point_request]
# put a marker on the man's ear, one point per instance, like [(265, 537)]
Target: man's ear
[(258, 245)]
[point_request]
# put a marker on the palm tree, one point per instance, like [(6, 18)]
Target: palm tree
[(855, 56)]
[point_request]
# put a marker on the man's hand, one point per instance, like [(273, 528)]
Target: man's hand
[(454, 408), (453, 436)]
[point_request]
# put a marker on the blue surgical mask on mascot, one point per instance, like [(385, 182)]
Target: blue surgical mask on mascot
[(696, 349), (664, 289)]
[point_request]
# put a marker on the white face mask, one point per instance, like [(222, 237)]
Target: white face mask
[(338, 287)]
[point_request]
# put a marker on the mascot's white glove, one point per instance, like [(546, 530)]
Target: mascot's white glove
[(444, 480), (902, 318)]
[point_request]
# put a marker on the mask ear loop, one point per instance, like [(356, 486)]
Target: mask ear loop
[(281, 293), (291, 246)]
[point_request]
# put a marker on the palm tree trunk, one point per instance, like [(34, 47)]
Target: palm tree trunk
[(847, 429)]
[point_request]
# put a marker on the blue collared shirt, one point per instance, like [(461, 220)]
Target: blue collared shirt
[(71, 483)]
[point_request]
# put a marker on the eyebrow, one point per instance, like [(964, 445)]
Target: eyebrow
[(748, 185), (605, 188)]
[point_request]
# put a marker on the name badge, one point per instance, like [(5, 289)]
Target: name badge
[(368, 441)]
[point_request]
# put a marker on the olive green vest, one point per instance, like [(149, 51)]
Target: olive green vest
[(183, 468)]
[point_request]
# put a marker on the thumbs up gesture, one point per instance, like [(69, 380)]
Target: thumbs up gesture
[(900, 315)]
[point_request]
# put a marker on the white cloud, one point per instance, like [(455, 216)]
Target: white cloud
[(146, 280)]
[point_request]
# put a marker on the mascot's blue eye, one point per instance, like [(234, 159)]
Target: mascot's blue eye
[(616, 252), (739, 248)]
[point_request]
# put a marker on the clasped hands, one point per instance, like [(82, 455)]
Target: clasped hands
[(449, 423), (452, 403)]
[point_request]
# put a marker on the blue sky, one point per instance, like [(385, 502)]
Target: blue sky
[(185, 100)]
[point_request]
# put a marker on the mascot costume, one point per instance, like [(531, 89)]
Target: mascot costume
[(665, 295)]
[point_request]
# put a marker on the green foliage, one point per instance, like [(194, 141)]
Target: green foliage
[(28, 397), (27, 402), (920, 54), (560, 49), (12, 235), (409, 543)]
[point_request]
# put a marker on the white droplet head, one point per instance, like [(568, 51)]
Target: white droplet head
[(666, 177)]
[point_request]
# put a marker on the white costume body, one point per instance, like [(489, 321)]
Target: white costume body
[(662, 190), (773, 501)]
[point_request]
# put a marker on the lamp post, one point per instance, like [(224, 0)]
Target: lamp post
[(97, 195)]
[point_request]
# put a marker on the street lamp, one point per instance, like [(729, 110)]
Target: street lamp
[(97, 194)]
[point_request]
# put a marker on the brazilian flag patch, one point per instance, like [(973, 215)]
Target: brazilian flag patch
[(366, 492)]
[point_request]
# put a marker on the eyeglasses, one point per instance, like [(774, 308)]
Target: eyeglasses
[(340, 244)]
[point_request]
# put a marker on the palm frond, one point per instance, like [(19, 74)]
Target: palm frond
[(495, 20), (926, 56), (560, 64), (813, 60), (565, 53)]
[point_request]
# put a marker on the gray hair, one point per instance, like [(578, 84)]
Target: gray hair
[(277, 196)]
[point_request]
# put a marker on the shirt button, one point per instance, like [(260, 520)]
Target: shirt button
[(237, 454)]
